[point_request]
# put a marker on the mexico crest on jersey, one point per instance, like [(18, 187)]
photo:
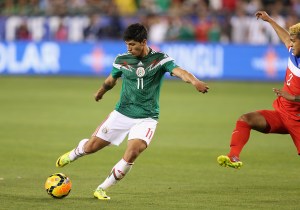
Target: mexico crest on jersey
[(140, 72)]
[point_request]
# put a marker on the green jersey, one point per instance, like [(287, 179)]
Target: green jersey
[(141, 82)]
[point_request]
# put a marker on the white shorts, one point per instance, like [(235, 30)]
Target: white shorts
[(117, 126)]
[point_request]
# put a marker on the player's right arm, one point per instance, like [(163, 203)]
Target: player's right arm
[(108, 84), (281, 32), (190, 78), (286, 95)]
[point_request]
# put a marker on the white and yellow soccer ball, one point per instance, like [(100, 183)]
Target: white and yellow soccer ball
[(58, 185)]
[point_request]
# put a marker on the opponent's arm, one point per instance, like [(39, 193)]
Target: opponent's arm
[(281, 32), (190, 78), (286, 95), (108, 84)]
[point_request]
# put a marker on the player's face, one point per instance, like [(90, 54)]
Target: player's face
[(136, 48), (295, 44)]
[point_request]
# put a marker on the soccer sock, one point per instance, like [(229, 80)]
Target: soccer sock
[(239, 138), (117, 173), (78, 151)]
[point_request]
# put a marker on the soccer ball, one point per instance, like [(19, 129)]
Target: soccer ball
[(58, 185)]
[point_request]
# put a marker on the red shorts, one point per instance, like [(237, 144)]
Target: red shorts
[(280, 124)]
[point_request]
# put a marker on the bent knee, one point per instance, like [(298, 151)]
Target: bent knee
[(244, 118), (132, 154), (254, 120)]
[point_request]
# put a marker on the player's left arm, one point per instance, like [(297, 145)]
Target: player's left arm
[(190, 78), (108, 84), (286, 95)]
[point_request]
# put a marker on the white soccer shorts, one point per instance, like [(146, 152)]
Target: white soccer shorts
[(117, 126)]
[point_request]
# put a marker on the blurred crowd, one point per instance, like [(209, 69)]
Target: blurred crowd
[(222, 21)]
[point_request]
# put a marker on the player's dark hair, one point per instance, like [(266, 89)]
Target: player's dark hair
[(136, 32)]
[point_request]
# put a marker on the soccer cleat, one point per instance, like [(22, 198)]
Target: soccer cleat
[(226, 161), (63, 160), (101, 194)]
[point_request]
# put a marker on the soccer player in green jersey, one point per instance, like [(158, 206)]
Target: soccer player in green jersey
[(136, 114)]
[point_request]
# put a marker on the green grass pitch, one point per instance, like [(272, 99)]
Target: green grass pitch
[(43, 117)]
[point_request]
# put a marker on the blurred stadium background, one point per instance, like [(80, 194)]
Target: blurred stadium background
[(215, 39), (53, 56)]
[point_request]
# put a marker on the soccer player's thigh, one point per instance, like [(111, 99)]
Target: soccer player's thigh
[(114, 129), (143, 130), (294, 130), (274, 121)]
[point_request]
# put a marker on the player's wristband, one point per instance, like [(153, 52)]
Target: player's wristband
[(297, 98), (106, 86)]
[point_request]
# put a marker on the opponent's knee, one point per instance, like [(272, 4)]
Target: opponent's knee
[(245, 118), (249, 118)]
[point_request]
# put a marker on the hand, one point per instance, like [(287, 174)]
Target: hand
[(262, 15), (201, 87), (284, 94), (98, 96)]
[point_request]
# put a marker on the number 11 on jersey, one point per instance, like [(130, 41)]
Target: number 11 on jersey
[(140, 83)]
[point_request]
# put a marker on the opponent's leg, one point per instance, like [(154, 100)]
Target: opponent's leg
[(240, 137)]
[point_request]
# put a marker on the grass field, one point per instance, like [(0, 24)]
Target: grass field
[(43, 117)]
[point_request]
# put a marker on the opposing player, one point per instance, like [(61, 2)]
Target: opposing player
[(285, 118), (136, 114)]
